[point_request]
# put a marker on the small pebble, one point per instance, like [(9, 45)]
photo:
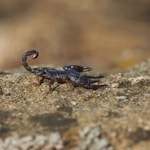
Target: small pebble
[(73, 102), (115, 85), (121, 97), (99, 144), (84, 132)]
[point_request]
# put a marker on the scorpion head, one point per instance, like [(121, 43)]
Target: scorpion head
[(77, 68)]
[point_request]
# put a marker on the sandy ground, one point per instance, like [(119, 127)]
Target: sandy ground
[(113, 117)]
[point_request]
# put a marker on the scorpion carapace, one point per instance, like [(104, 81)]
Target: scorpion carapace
[(69, 74)]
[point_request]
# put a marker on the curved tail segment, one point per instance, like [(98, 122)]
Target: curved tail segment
[(34, 54)]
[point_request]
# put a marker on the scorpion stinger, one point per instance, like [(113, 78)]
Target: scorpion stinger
[(34, 55)]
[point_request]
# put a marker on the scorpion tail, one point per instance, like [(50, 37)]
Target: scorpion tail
[(34, 55)]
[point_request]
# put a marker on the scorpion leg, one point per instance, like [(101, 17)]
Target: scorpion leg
[(50, 86), (40, 79), (70, 85)]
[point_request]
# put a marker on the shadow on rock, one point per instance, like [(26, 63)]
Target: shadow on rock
[(4, 128), (140, 135), (54, 121), (65, 109), (4, 73)]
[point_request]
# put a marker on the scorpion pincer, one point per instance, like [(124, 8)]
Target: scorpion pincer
[(69, 74)]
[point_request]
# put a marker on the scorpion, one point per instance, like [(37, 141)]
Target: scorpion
[(69, 74)]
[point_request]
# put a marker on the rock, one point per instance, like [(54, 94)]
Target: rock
[(39, 141), (110, 118)]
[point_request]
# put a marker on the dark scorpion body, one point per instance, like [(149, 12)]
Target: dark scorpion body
[(69, 74)]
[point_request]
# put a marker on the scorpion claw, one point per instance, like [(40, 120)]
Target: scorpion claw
[(77, 68)]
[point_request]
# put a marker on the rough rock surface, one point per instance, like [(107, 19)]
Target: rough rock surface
[(114, 117)]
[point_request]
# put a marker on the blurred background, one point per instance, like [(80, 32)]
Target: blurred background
[(106, 35)]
